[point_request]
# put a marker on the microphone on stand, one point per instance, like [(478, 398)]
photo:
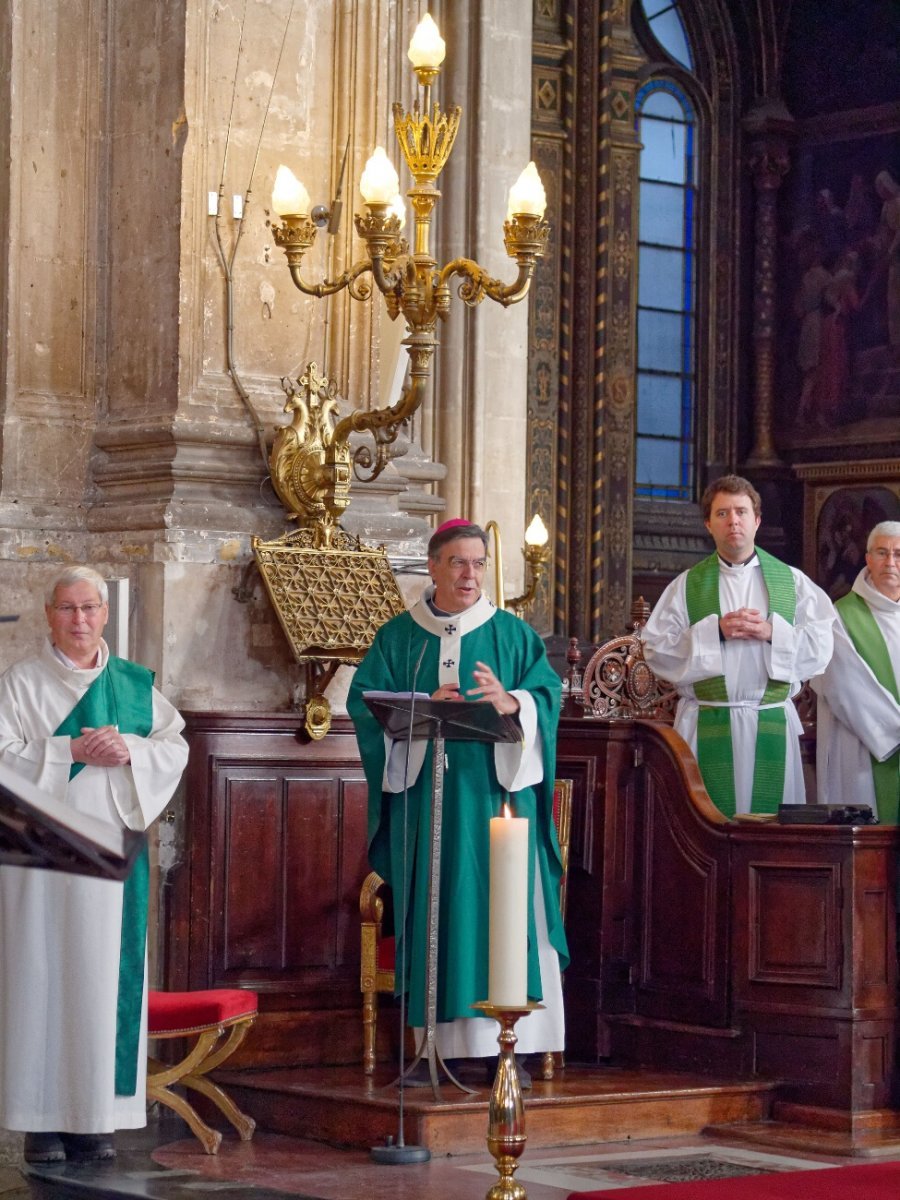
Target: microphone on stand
[(397, 1153)]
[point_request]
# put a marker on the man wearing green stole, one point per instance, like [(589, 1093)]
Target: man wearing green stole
[(858, 736), (454, 644), (92, 732), (737, 634)]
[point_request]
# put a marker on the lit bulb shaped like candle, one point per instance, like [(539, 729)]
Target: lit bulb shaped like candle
[(527, 195), (508, 919), (380, 182), (289, 197), (427, 48), (398, 209), (536, 534)]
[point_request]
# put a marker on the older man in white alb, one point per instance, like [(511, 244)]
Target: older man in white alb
[(858, 736)]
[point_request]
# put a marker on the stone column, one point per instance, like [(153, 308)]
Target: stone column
[(478, 423)]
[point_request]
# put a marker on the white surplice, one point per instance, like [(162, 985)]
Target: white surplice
[(684, 654), (857, 718), (60, 933)]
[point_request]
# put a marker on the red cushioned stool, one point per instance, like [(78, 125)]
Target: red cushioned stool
[(222, 1013)]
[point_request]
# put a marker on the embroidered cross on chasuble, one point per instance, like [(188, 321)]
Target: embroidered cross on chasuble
[(869, 643), (715, 752), (122, 695)]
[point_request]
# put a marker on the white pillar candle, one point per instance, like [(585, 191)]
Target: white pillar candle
[(508, 922)]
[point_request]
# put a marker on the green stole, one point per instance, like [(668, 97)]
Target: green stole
[(122, 695), (868, 640), (715, 753)]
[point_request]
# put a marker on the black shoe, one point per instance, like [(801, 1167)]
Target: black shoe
[(44, 1148), (419, 1076), (89, 1147), (524, 1073)]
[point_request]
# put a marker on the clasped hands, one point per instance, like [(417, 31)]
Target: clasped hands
[(102, 747), (489, 689), (746, 624)]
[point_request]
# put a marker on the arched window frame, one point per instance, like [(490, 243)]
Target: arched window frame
[(667, 364)]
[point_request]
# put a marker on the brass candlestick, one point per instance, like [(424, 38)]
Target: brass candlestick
[(506, 1111)]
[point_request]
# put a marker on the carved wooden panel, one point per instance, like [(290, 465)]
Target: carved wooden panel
[(683, 900), (290, 884), (267, 897), (802, 951)]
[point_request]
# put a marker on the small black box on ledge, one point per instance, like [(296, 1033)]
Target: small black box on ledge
[(826, 814)]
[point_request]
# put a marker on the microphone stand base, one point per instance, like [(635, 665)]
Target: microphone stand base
[(392, 1155)]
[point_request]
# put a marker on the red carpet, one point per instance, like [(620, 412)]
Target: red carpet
[(872, 1181)]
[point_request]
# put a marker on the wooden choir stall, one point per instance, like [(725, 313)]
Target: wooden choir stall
[(742, 949)]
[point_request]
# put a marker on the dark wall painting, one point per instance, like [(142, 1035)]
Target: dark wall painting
[(839, 212), (839, 359), (842, 527)]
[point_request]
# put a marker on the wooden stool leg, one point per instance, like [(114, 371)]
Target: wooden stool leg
[(210, 1139), (242, 1123)]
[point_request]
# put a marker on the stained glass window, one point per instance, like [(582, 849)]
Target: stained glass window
[(666, 318), (664, 20)]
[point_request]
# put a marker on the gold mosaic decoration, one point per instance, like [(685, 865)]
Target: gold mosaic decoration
[(330, 599)]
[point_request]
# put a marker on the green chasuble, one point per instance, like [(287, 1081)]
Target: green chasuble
[(715, 755), (472, 795), (869, 643), (122, 695)]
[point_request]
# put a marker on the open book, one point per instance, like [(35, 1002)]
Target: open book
[(38, 831)]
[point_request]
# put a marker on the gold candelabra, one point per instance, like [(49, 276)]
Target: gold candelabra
[(536, 553), (411, 281), (506, 1110)]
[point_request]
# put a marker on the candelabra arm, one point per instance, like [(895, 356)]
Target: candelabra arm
[(388, 274), (536, 561), (372, 420), (353, 280), (477, 283), (499, 593), (519, 604)]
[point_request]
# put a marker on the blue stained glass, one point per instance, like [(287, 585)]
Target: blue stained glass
[(669, 32), (661, 278), (662, 103), (652, 7), (659, 409), (662, 215), (662, 157), (660, 341), (666, 282), (658, 462)]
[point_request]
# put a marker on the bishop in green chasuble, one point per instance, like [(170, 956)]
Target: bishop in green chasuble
[(478, 778)]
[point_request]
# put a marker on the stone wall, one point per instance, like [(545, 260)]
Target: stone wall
[(143, 353)]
